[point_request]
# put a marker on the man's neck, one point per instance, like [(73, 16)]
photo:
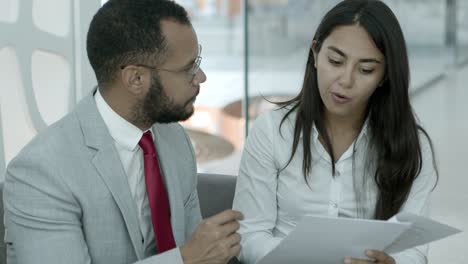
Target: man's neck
[(122, 105)]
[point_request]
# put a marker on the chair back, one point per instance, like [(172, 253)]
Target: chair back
[(215, 192)]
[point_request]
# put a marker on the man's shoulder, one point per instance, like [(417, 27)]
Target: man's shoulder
[(66, 128), (56, 136)]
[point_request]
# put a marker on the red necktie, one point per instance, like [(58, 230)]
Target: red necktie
[(157, 196)]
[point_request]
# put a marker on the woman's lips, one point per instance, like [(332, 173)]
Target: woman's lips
[(340, 99)]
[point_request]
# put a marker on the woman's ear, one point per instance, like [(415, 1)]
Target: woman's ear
[(134, 79), (313, 49)]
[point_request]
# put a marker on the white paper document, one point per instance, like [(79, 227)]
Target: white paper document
[(327, 240)]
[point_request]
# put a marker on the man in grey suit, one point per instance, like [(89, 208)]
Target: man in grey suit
[(80, 191)]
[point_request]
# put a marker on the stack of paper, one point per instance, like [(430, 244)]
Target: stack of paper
[(327, 240)]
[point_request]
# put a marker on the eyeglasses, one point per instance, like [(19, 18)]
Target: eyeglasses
[(191, 72)]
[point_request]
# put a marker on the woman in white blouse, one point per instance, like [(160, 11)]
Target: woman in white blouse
[(348, 145)]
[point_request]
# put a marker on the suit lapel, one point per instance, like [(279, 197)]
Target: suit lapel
[(108, 165), (168, 166)]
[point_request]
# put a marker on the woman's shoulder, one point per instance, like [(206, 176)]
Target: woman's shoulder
[(425, 142), (274, 123), (276, 115)]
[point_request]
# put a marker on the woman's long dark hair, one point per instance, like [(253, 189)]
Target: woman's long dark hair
[(394, 132)]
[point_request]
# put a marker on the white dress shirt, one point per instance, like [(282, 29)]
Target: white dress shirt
[(126, 137), (274, 201)]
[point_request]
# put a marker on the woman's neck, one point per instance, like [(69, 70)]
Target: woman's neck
[(343, 124), (342, 132)]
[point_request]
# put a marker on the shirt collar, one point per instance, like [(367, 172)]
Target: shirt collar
[(123, 132), (363, 135)]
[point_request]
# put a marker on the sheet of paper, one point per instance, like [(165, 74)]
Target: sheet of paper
[(327, 240), (423, 230)]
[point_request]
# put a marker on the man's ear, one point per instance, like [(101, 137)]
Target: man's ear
[(135, 79)]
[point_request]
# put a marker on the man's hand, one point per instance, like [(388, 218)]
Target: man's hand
[(378, 257), (215, 240)]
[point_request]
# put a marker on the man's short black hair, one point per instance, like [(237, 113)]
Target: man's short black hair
[(126, 32)]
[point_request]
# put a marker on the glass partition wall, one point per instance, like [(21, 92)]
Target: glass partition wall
[(461, 55), (256, 49)]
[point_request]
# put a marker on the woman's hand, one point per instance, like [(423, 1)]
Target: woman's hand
[(376, 256)]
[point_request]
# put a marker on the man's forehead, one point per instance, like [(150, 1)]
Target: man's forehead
[(181, 40), (179, 35)]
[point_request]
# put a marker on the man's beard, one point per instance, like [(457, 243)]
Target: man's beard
[(158, 107)]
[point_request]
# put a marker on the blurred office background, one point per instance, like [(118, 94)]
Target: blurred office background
[(252, 49)]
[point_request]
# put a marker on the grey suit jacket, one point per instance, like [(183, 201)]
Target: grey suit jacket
[(67, 198)]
